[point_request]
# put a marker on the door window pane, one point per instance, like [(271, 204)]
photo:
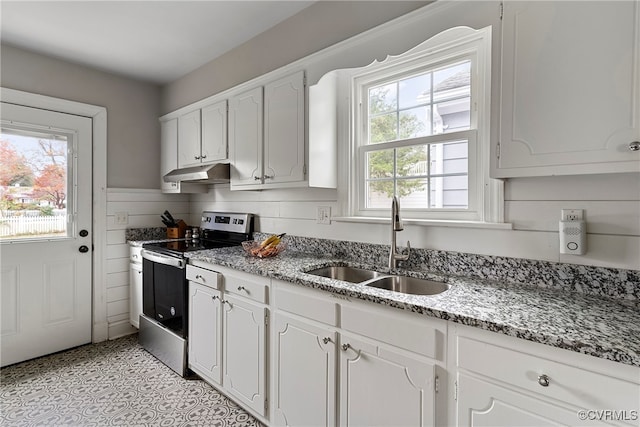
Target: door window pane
[(34, 185)]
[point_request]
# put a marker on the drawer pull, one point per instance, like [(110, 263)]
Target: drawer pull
[(346, 346), (543, 380), (199, 277), (214, 297), (242, 288), (326, 340)]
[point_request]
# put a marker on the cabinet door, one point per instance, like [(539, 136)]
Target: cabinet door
[(485, 404), (303, 350), (244, 351), (245, 138), (205, 327), (168, 154), (214, 132), (135, 293), (284, 129), (189, 137), (570, 88), (380, 386)]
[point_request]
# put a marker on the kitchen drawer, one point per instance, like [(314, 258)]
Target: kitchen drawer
[(305, 304), (135, 254), (418, 334), (247, 285), (203, 276), (576, 386)]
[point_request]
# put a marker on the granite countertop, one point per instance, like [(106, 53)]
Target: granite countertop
[(586, 324)]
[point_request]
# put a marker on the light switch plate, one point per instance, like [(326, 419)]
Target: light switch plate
[(323, 215), (122, 218)]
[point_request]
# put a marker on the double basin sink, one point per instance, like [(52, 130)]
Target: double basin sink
[(374, 279)]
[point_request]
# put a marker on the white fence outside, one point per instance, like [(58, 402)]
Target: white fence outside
[(31, 226)]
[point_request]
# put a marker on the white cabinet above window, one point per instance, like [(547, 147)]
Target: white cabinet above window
[(570, 100), (202, 135)]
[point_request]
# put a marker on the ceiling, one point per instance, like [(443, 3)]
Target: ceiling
[(155, 41)]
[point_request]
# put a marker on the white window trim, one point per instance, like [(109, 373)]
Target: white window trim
[(453, 44)]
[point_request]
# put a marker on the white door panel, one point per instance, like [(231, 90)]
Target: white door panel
[(46, 281)]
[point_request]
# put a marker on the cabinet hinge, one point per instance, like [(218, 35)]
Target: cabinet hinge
[(304, 169), (455, 391), (437, 383), (498, 150), (501, 10), (266, 319), (266, 404)]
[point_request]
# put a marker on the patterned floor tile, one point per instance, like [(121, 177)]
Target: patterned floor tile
[(112, 383)]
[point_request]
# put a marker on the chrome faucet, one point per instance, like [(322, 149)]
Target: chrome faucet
[(396, 225)]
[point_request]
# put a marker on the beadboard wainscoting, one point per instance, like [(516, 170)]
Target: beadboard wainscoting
[(532, 205), (142, 208)]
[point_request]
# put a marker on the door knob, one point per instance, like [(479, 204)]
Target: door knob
[(83, 248), (84, 233)]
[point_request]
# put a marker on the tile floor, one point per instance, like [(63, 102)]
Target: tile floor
[(114, 383)]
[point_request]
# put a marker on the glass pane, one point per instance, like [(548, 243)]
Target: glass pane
[(449, 158), (383, 99), (379, 164), (448, 81), (451, 116), (383, 128), (414, 122), (33, 185), (412, 161), (378, 194), (449, 192), (415, 91), (413, 193)]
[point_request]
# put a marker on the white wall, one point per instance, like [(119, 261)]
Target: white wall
[(143, 208), (532, 205)]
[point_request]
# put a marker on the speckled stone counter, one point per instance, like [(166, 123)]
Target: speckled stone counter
[(145, 234), (588, 324)]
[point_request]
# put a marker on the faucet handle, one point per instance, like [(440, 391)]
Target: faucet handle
[(406, 256)]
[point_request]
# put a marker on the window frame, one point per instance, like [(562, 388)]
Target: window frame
[(486, 200)]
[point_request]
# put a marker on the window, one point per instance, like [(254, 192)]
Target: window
[(421, 131)]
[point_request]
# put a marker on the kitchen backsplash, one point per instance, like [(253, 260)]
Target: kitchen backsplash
[(600, 281), (613, 283)]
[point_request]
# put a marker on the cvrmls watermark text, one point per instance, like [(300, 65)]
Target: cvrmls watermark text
[(607, 415)]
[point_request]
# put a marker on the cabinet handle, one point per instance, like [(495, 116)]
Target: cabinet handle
[(215, 297), (196, 157), (199, 277), (242, 288), (346, 346), (634, 146), (134, 256), (256, 178), (326, 340), (543, 380), (268, 176), (226, 302), (204, 156)]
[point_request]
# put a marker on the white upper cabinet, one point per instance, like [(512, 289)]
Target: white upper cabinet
[(245, 137), (168, 154), (570, 100), (267, 135), (202, 135)]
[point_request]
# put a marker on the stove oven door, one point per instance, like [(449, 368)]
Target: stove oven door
[(164, 288)]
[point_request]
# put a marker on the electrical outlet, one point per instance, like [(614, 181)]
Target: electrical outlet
[(323, 215), (571, 215), (122, 218)]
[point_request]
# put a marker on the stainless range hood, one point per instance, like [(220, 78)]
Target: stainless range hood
[(217, 173)]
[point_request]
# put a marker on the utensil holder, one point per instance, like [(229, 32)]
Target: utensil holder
[(177, 232)]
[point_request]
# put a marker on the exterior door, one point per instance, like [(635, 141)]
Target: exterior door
[(45, 232)]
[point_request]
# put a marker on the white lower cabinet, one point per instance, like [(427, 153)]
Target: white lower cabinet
[(305, 379), (324, 375), (227, 333), (505, 381), (244, 351), (135, 285), (205, 332), (382, 386)]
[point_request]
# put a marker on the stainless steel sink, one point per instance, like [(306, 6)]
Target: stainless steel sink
[(348, 274), (409, 285)]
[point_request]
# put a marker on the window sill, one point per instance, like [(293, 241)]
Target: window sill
[(428, 222)]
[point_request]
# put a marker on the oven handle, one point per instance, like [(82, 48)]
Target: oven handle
[(163, 259)]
